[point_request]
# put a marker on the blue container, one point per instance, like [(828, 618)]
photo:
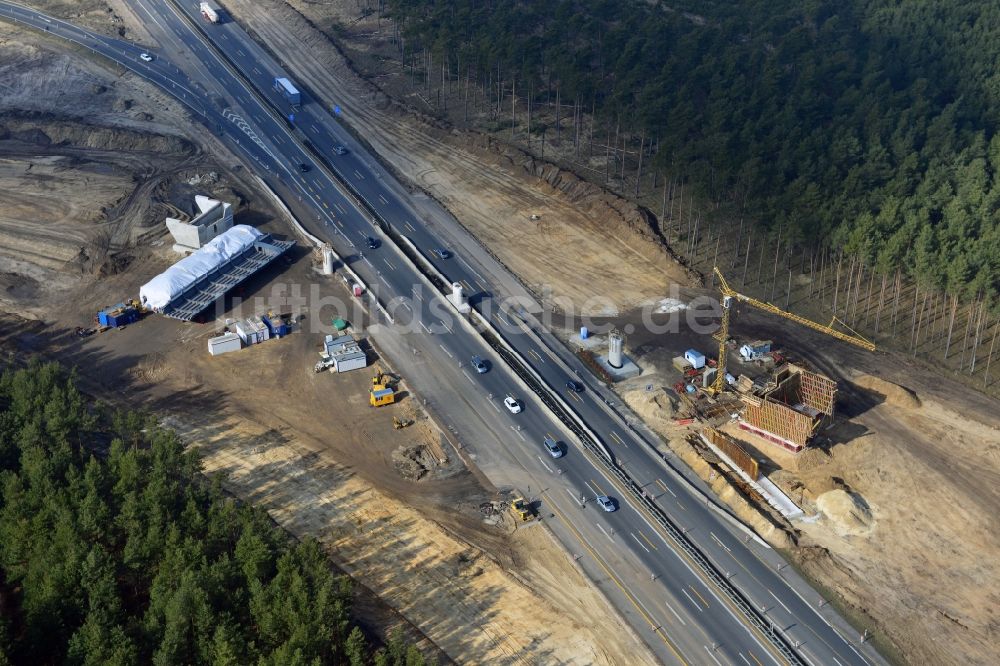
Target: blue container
[(690, 388), (278, 330), (122, 317), (584, 333)]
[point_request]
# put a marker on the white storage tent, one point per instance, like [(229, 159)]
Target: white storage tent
[(177, 279)]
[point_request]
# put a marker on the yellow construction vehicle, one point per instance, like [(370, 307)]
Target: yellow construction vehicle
[(381, 378), (729, 295), (522, 510), (381, 395)]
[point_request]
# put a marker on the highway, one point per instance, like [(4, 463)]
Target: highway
[(662, 591)]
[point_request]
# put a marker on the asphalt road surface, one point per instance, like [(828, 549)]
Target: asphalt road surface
[(660, 590)]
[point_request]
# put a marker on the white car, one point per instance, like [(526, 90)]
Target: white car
[(145, 57), (512, 404), (606, 503)]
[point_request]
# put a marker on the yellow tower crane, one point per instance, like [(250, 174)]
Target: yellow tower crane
[(722, 335)]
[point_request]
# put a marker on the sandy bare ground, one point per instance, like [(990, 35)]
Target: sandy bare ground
[(584, 244), (69, 176), (465, 602), (309, 449), (80, 166), (901, 498)]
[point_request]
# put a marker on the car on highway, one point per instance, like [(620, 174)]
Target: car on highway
[(145, 57), (340, 150), (512, 404), (553, 447), (573, 386), (442, 253), (605, 503), (372, 242), (480, 365), (304, 168)]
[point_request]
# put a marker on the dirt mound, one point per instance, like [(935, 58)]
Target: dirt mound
[(847, 512), (45, 130), (894, 394), (413, 462), (617, 214), (656, 407)]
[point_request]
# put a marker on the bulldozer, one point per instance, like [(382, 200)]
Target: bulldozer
[(522, 510), (399, 424)]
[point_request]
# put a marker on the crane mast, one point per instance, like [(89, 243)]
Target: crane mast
[(729, 296)]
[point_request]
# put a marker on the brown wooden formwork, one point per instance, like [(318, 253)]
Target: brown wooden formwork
[(780, 420), (817, 391), (735, 451)]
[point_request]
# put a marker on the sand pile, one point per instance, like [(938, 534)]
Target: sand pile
[(847, 512), (894, 394)]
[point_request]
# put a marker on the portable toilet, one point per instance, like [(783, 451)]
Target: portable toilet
[(695, 358)]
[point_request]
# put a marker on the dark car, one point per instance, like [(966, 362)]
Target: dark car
[(575, 387), (372, 242), (480, 365), (340, 150), (304, 168), (442, 253)]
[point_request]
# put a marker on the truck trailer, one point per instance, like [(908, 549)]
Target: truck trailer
[(290, 92), (211, 12)]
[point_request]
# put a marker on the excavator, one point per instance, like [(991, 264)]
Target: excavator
[(383, 392), (730, 296), (522, 510)]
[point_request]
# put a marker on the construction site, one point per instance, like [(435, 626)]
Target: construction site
[(867, 470)]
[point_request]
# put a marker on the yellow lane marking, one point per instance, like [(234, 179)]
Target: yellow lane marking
[(628, 595), (726, 602), (698, 595)]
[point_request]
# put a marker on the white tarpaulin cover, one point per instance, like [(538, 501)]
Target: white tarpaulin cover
[(174, 281)]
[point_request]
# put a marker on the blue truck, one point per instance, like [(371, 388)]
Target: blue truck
[(120, 315)]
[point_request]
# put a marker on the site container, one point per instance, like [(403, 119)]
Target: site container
[(223, 344), (695, 358)]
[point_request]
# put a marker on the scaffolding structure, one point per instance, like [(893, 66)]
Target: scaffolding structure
[(732, 448), (790, 408)]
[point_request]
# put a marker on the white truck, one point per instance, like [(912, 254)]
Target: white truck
[(755, 351), (210, 11)]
